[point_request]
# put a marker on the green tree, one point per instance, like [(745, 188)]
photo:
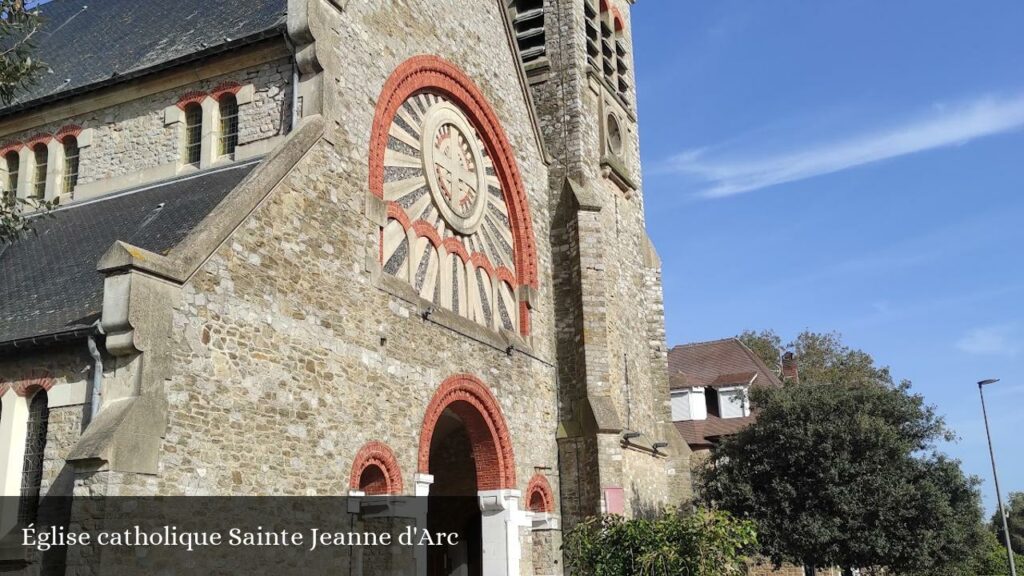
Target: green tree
[(1015, 522), (702, 543), (822, 357), (19, 27), (846, 474)]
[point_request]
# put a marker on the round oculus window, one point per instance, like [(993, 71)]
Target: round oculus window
[(613, 134), (453, 165)]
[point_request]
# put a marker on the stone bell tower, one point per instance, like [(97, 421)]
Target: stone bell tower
[(618, 451)]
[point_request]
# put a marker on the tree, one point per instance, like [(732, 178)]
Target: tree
[(822, 357), (18, 70), (846, 474), (1014, 521), (702, 543)]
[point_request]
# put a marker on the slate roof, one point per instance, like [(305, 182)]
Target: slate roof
[(91, 43), (714, 365), (48, 279)]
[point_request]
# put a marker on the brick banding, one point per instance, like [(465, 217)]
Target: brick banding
[(480, 260), (395, 212), (539, 497), (506, 275), (376, 464), (473, 403), (426, 72)]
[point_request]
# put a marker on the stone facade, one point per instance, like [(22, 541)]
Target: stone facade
[(135, 142), (272, 353)]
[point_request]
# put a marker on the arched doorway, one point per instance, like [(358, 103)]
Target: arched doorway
[(466, 449)]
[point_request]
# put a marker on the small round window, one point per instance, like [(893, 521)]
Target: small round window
[(614, 134)]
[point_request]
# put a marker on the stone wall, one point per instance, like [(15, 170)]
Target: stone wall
[(608, 290), (291, 350)]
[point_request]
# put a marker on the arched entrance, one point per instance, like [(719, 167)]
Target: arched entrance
[(465, 448)]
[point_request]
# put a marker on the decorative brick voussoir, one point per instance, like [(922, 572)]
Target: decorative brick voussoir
[(479, 411), (30, 384), (539, 497), (191, 97), (426, 230), (224, 89), (376, 455), (69, 131)]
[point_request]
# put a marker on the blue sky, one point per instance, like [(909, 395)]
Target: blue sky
[(848, 166)]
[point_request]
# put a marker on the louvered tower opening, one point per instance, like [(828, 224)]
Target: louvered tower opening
[(528, 19)]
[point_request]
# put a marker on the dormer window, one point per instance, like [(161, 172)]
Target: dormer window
[(733, 402), (689, 404), (41, 155), (228, 125), (193, 134), (13, 161), (71, 154)]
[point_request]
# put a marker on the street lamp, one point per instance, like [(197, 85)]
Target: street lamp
[(995, 476)]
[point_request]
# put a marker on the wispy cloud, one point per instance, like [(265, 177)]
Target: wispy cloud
[(942, 126), (990, 341)]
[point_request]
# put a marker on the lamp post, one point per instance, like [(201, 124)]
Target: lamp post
[(995, 475)]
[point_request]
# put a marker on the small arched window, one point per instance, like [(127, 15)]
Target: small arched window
[(193, 133), (35, 449), (228, 124), (70, 164), (13, 162), (42, 156)]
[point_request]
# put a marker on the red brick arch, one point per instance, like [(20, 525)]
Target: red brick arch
[(425, 72), (488, 434), (539, 497), (376, 463)]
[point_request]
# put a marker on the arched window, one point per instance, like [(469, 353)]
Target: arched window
[(35, 448), (13, 162), (42, 155), (193, 133), (70, 164), (228, 124)]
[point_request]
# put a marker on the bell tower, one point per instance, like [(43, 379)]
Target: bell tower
[(618, 450)]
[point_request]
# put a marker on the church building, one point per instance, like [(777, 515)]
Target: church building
[(334, 247)]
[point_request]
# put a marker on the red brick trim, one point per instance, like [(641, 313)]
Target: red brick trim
[(4, 386), (379, 455), (617, 19), (38, 139), (524, 318), (225, 88), (479, 411), (191, 97), (426, 72), (9, 147), (480, 260), (71, 130), (453, 246), (539, 497), (35, 381), (426, 230), (506, 275), (395, 212)]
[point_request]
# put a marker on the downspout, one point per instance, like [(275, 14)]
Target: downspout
[(295, 83), (97, 370)]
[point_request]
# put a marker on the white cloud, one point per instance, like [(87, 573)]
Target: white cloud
[(945, 125), (990, 341)]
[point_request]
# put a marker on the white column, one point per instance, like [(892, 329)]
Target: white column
[(55, 169), (500, 522), (13, 428), (211, 133), (26, 172)]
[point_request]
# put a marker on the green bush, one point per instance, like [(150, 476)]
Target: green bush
[(701, 543)]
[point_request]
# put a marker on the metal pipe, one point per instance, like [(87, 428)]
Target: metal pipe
[(995, 476)]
